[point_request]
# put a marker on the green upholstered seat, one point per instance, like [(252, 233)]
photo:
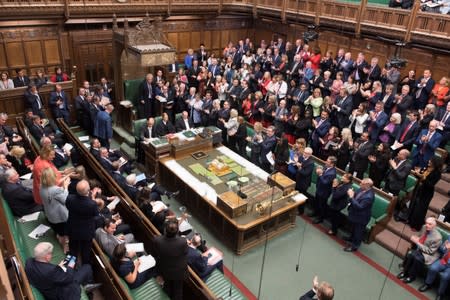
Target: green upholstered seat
[(220, 286), (131, 90), (250, 131), (379, 211)]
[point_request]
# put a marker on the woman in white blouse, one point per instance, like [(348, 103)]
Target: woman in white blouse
[(232, 127), (358, 120), (5, 82)]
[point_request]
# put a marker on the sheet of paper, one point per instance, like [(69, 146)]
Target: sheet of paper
[(112, 205), (26, 176), (184, 226), (198, 169), (299, 197), (140, 177), (67, 147), (270, 159), (87, 145), (147, 262), (214, 256), (30, 217), (83, 138), (39, 231), (135, 247), (158, 206)]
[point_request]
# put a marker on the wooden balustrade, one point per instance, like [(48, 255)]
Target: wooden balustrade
[(433, 24)]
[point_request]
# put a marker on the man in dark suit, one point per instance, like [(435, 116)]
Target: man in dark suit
[(267, 146), (343, 107), (360, 158), (398, 173), (81, 222), (34, 101), (305, 167), (59, 105), (405, 4), (377, 119), (444, 125), (193, 73), (374, 70), (20, 199), (107, 158), (38, 131), (427, 142), (199, 261), (407, 134), (424, 86), (359, 212), (82, 108), (183, 123), (170, 252), (322, 291), (321, 126), (164, 127), (402, 102), (147, 92), (103, 126), (324, 188), (300, 98), (214, 68), (56, 281), (117, 176), (21, 79), (148, 130), (295, 66)]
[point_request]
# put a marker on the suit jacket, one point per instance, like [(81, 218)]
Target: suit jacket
[(426, 90), (339, 198), (429, 147), (199, 263), (19, 82), (106, 164), (410, 135), (267, 145), (430, 246), (131, 191), (32, 102), (119, 179), (376, 126), (375, 74), (396, 179), (215, 70), (164, 129), (103, 125), (52, 101), (52, 281), (360, 208), (82, 213), (404, 105), (344, 112), (324, 183), (20, 199), (144, 134), (144, 92), (308, 296), (180, 125), (440, 117), (304, 174), (171, 257), (361, 156)]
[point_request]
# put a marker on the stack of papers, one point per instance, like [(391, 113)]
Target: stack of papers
[(30, 217), (147, 262), (112, 205), (158, 206), (84, 138), (135, 247), (39, 231)]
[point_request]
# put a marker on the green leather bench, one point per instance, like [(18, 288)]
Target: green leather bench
[(220, 286), (131, 90), (26, 244)]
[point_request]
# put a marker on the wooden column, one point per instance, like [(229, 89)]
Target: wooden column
[(318, 12), (255, 9), (66, 9), (412, 18), (283, 11), (362, 9), (219, 9)]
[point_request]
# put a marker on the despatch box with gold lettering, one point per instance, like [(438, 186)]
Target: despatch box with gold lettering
[(283, 182), (231, 204)]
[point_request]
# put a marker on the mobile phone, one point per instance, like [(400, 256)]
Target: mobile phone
[(70, 261)]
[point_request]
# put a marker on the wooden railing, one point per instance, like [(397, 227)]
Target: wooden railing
[(403, 24)]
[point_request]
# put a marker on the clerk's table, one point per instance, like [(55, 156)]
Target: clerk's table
[(235, 198)]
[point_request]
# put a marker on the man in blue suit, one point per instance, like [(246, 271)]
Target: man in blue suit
[(359, 212), (103, 126), (267, 146), (59, 105), (199, 261), (322, 125), (427, 142), (424, 87), (444, 125), (377, 119), (324, 188)]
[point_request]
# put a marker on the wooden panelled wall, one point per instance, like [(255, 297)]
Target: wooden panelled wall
[(45, 47)]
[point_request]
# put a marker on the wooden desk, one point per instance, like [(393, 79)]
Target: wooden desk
[(240, 233)]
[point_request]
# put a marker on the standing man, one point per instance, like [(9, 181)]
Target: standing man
[(424, 87), (170, 252), (398, 172), (81, 222), (268, 146), (59, 105), (324, 187), (103, 126), (343, 107), (407, 133), (147, 97), (305, 167), (377, 119), (427, 142), (34, 101), (360, 158), (359, 212)]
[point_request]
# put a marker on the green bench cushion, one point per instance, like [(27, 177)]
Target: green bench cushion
[(131, 90), (220, 286)]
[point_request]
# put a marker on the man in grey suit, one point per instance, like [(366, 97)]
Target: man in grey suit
[(425, 244), (106, 238)]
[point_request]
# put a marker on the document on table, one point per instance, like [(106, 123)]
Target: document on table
[(147, 262), (214, 256), (135, 247), (39, 231), (30, 217)]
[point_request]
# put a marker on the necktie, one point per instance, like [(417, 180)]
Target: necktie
[(402, 138), (150, 132), (38, 99), (423, 238), (444, 119)]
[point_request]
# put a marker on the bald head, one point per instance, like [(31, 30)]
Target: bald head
[(83, 188), (43, 251)]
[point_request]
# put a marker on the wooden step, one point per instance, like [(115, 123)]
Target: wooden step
[(438, 202), (392, 242), (445, 177), (400, 229), (442, 187)]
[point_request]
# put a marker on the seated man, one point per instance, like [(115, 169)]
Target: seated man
[(164, 127), (132, 189), (106, 238), (440, 266), (20, 199), (184, 123), (41, 129), (117, 176), (62, 155), (57, 281), (425, 252), (7, 133), (106, 161), (201, 262)]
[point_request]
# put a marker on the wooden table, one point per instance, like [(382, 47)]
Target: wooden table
[(240, 233)]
